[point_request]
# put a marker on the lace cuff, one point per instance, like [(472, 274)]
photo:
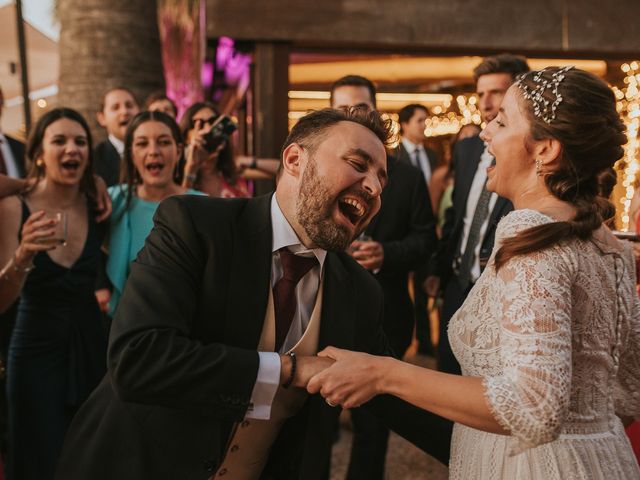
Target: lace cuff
[(505, 406)]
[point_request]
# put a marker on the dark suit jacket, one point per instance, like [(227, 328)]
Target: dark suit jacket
[(406, 228), (466, 157), (182, 358), (402, 155), (106, 162), (17, 149)]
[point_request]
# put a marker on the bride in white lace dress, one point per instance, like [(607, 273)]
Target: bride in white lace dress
[(549, 337)]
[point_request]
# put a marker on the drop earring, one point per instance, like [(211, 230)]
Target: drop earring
[(539, 167)]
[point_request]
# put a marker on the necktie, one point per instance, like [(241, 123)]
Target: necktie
[(469, 255), (294, 267), (416, 160), (3, 164)]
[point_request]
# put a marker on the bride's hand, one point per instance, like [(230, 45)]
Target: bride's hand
[(352, 380)]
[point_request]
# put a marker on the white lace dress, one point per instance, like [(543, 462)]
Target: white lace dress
[(556, 337)]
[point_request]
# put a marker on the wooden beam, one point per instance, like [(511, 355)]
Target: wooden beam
[(549, 26)]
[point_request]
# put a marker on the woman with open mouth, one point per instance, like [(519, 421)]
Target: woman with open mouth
[(50, 251), (153, 147)]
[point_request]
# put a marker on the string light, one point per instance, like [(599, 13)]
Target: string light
[(628, 105), (448, 122)]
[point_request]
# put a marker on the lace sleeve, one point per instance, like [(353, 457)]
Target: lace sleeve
[(531, 396), (627, 387)]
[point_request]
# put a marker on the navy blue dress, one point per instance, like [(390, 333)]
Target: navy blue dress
[(57, 356)]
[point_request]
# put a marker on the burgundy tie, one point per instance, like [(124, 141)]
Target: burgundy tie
[(3, 165), (294, 267)]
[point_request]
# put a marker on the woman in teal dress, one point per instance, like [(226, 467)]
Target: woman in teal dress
[(153, 146)]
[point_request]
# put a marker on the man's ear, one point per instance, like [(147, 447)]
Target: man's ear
[(101, 119), (292, 160)]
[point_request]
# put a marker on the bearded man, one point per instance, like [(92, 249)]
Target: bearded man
[(226, 306)]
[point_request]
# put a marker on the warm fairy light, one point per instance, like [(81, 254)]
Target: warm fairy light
[(447, 122), (628, 105)]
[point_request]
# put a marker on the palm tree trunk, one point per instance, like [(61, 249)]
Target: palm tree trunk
[(105, 44)]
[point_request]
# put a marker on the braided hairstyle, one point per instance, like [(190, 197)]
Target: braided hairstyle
[(591, 134)]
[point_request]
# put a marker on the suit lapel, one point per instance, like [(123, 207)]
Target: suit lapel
[(472, 160), (338, 307), (250, 275), (402, 155), (501, 208)]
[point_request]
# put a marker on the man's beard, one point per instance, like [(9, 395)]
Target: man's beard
[(314, 213)]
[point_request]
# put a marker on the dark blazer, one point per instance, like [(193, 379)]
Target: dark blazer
[(17, 149), (106, 162), (182, 358), (401, 154), (406, 228), (466, 157)]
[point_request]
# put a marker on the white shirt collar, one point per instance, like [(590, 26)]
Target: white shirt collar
[(118, 144), (285, 236), (411, 147)]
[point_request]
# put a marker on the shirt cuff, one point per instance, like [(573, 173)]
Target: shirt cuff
[(266, 385)]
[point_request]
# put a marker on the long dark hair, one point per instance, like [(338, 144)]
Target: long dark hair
[(225, 163), (34, 150), (591, 134), (128, 173)]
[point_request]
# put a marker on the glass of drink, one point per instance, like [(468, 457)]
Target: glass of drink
[(59, 236), (360, 238)]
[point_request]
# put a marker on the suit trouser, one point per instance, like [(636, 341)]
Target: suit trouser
[(421, 310), (370, 435), (369, 447), (454, 297)]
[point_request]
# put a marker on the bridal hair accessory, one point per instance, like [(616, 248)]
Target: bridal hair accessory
[(543, 107)]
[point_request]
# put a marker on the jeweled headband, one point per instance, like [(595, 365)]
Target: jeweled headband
[(543, 107)]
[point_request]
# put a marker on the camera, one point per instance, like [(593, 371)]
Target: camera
[(222, 128)]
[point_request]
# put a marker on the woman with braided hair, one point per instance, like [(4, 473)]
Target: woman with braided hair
[(548, 338)]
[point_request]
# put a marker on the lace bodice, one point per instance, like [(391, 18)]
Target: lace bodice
[(555, 335)]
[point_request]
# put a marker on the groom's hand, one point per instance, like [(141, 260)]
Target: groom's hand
[(307, 367)]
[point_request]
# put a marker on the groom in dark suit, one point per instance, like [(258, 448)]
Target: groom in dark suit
[(470, 226), (202, 382)]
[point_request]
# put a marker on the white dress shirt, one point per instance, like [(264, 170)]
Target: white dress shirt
[(472, 200), (118, 144), (9, 160), (268, 377), (424, 166)]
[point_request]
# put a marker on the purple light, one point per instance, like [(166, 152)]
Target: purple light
[(207, 74)]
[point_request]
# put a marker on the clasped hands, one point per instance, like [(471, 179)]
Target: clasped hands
[(342, 377)]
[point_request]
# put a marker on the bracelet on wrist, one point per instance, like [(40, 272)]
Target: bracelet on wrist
[(18, 268), (254, 162), (294, 364)]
